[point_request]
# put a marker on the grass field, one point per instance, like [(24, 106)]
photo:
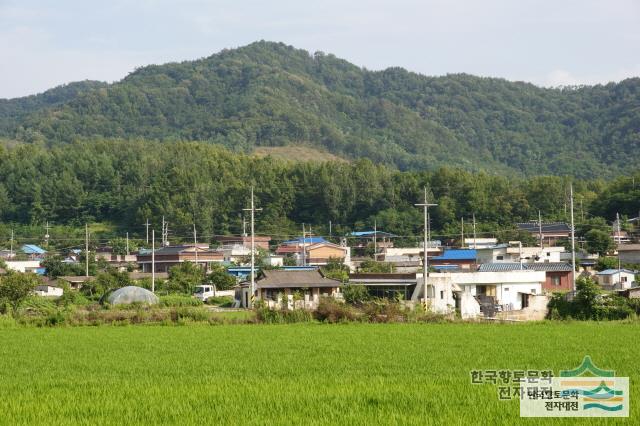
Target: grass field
[(291, 374)]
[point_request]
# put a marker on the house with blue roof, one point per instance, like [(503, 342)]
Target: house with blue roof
[(460, 258), (616, 279), (33, 251)]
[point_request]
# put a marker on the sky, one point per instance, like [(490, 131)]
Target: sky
[(547, 42)]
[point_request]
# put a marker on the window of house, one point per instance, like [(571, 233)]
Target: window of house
[(555, 280), (548, 254), (442, 295), (499, 257), (506, 289), (533, 291), (624, 279)]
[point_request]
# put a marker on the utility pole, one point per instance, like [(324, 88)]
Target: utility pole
[(195, 243), (86, 250), (375, 240), (146, 224), (11, 246), (573, 244), (46, 234), (462, 232), (330, 234), (475, 244), (425, 262), (244, 226), (162, 230), (253, 247), (618, 245), (153, 261), (540, 228), (304, 243), (127, 244)]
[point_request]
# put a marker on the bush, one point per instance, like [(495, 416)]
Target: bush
[(379, 310), (272, 316), (177, 300), (222, 301), (330, 310), (355, 294)]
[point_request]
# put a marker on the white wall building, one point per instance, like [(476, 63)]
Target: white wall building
[(513, 253), (23, 265), (616, 279), (468, 291), (478, 243), (48, 290)]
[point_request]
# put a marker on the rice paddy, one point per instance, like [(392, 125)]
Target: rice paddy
[(291, 374)]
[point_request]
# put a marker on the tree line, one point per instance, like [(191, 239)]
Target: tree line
[(126, 182)]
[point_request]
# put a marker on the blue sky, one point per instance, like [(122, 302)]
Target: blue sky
[(549, 43)]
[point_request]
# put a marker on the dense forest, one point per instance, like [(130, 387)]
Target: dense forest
[(270, 94), (126, 182)]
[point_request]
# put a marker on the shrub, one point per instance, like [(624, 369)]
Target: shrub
[(222, 301), (330, 310), (177, 300), (355, 294), (272, 316)]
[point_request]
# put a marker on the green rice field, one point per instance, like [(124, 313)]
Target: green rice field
[(293, 374)]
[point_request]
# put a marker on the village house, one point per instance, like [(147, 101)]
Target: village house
[(514, 253), (76, 282), (118, 261), (473, 293), (260, 242), (478, 243), (558, 275), (361, 240), (33, 251), (616, 279), (389, 286), (292, 247), (49, 288), (551, 233), (274, 285), (629, 253), (315, 251), (170, 256), (25, 266), (455, 259)]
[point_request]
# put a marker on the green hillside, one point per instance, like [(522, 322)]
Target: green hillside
[(270, 94)]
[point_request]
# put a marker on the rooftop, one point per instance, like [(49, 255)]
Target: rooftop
[(515, 266), (462, 254), (276, 278), (33, 249), (307, 240), (614, 271)]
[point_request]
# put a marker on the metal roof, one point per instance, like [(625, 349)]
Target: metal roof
[(515, 266), (462, 254), (614, 271), (500, 267), (33, 249)]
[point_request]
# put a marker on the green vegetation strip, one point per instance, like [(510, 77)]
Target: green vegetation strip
[(290, 374)]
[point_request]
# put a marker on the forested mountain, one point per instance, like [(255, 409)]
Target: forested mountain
[(270, 94), (126, 182)]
